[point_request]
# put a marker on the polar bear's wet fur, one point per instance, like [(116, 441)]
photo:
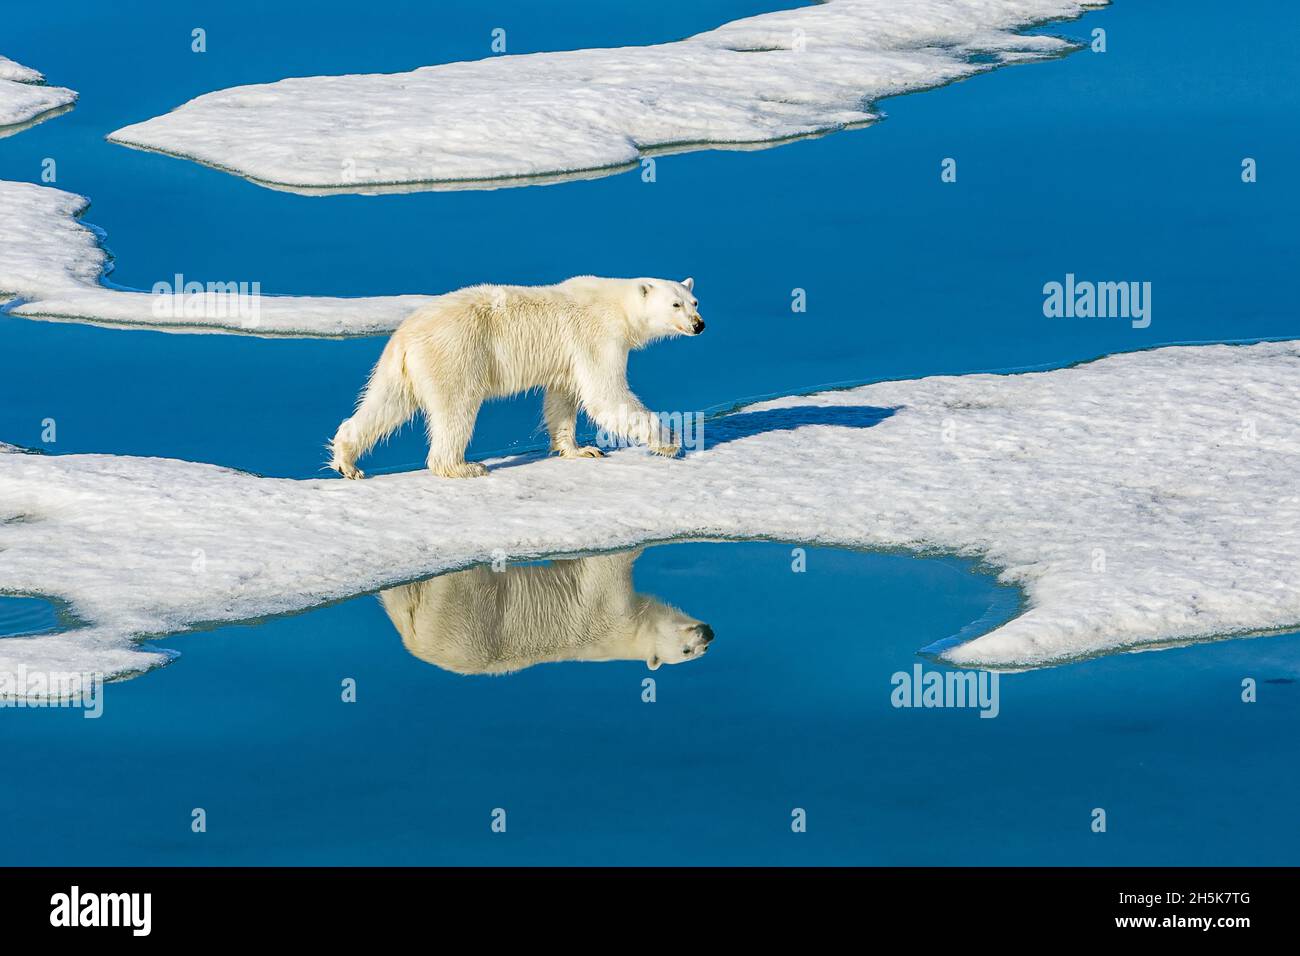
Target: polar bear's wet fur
[(483, 621), (490, 341)]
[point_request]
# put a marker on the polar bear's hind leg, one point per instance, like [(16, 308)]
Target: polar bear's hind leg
[(450, 420), (560, 410), (385, 406)]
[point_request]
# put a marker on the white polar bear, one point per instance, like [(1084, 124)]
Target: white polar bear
[(489, 341), (482, 621)]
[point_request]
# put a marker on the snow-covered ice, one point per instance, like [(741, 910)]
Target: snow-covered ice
[(753, 81), (17, 73), (1144, 499), (52, 264), (24, 99)]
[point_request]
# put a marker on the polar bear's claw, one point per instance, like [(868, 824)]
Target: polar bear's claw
[(587, 451)]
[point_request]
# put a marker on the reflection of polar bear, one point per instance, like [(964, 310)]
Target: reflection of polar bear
[(492, 341), (482, 621)]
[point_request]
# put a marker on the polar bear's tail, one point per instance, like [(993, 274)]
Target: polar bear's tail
[(386, 404)]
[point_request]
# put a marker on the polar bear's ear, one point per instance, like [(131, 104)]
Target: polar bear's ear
[(689, 283), (653, 663)]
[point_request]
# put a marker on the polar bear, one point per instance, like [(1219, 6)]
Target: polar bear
[(482, 621), (490, 341)]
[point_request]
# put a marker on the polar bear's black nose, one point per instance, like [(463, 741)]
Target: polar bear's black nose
[(697, 325), (705, 632)]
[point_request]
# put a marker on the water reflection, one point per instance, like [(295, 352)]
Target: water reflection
[(482, 621), (15, 128)]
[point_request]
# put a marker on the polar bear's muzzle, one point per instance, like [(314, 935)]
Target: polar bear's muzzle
[(697, 325)]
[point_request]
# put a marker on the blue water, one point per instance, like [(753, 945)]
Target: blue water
[(789, 708), (26, 615), (1123, 165)]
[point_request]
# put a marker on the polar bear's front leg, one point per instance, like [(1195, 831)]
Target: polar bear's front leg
[(560, 409), (621, 413)]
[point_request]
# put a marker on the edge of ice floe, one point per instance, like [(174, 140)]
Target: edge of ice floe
[(143, 654), (60, 288), (583, 174), (1205, 563), (867, 108), (36, 101)]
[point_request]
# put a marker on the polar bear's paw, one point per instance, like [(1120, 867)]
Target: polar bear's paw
[(462, 469), (586, 451), (347, 470), (667, 451)]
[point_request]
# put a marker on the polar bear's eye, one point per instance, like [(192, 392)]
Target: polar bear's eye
[(677, 305)]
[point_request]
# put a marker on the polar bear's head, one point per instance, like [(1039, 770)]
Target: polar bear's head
[(667, 636), (662, 308)]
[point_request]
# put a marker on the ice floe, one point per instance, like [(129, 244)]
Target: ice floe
[(52, 264), (507, 119), (1141, 500), (25, 99)]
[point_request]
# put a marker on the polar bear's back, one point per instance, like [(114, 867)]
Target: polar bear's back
[(506, 305), (509, 338)]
